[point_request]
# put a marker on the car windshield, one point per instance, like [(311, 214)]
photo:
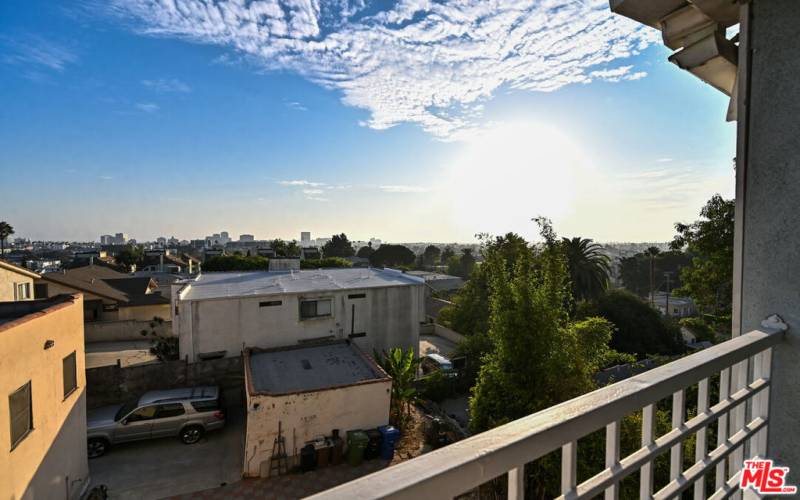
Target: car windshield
[(126, 408)]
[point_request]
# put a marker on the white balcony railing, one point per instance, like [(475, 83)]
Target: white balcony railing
[(742, 414)]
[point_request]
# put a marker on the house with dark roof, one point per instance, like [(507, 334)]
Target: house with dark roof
[(108, 295)]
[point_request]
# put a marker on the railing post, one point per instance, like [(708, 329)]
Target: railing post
[(516, 483), (612, 456), (569, 467), (762, 369), (701, 444), (676, 453), (648, 436), (722, 426), (738, 419)]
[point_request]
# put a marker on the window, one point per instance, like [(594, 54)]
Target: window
[(208, 405), (356, 295), (270, 303), (315, 308), (169, 410), (22, 291), (21, 413), (143, 413), (70, 374)]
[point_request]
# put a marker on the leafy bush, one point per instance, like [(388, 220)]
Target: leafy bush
[(699, 328), (236, 263), (327, 262)]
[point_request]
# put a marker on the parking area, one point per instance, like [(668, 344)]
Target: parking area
[(166, 467), (434, 344)]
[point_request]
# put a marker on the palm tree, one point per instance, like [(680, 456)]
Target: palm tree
[(589, 268), (6, 230), (652, 252)]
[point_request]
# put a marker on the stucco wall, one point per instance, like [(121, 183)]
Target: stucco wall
[(771, 255), (54, 452), (8, 279), (114, 331), (390, 317), (308, 415)]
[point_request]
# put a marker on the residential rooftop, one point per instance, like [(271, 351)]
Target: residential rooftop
[(309, 368), (257, 283), (18, 311)]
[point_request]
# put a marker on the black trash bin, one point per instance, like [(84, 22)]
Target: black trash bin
[(373, 449), (308, 458)]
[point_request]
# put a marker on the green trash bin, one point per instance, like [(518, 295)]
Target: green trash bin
[(356, 444)]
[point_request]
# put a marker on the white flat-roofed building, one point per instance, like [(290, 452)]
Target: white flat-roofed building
[(221, 314)]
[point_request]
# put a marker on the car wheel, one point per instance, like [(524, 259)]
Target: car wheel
[(97, 447), (191, 434)]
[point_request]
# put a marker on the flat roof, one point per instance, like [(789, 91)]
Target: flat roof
[(310, 368), (257, 283)]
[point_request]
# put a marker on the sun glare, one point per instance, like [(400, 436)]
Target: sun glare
[(511, 173)]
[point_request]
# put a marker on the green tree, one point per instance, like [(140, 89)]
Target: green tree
[(709, 240), (445, 255), (338, 246), (365, 252), (392, 256), (431, 256), (640, 329), (221, 263), (284, 249), (634, 271), (539, 358), (131, 255), (325, 263), (588, 268), (401, 365), (6, 230)]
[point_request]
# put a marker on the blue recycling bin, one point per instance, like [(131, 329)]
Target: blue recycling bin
[(390, 436)]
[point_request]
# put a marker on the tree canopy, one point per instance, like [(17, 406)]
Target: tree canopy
[(392, 256), (709, 240), (634, 271), (431, 256), (236, 263), (325, 262), (462, 266), (6, 230), (338, 246), (284, 249), (365, 251)]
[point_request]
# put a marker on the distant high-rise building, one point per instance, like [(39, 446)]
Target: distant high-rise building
[(246, 237), (305, 238), (106, 239), (120, 238)]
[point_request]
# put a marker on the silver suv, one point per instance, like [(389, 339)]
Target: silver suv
[(187, 413)]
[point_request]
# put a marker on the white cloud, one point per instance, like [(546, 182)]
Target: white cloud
[(419, 61), (34, 50), (313, 191), (402, 189), (664, 160), (296, 106), (147, 107), (164, 85), (301, 183)]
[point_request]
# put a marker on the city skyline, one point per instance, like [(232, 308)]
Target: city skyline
[(125, 117)]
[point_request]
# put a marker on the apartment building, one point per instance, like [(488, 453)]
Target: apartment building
[(42, 399), (221, 314), (16, 283)]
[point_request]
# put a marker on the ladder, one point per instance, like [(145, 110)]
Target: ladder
[(279, 462)]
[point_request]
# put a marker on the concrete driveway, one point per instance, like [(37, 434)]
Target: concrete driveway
[(165, 467), (127, 353)]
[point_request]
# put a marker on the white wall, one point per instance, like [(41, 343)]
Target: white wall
[(389, 316), (308, 415)]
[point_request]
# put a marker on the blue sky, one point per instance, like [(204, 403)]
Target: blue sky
[(407, 121)]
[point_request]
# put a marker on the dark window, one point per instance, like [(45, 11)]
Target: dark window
[(70, 374), (21, 413), (356, 295), (270, 303), (169, 410), (143, 413), (211, 405), (315, 308)]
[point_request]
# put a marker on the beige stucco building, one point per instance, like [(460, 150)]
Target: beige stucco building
[(42, 399), (221, 314), (16, 283), (310, 391)]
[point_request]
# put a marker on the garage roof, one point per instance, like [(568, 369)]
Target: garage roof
[(309, 368), (257, 283)]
